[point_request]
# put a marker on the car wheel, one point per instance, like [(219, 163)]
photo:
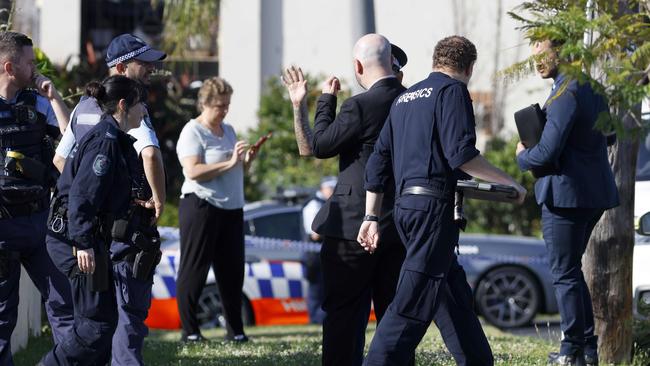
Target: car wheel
[(508, 297), (210, 310)]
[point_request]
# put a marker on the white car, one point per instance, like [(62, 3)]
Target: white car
[(641, 277), (641, 270)]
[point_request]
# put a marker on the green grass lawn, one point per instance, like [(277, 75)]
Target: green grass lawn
[(300, 346)]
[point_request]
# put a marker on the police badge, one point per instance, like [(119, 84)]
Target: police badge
[(100, 165)]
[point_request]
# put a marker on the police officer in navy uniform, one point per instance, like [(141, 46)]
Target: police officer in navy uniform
[(94, 188), (427, 143), (129, 56), (29, 120), (351, 277), (573, 197)]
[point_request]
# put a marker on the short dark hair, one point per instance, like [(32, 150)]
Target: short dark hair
[(11, 45), (114, 88), (455, 52)]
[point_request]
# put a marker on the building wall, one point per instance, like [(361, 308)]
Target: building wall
[(60, 29), (241, 20), (316, 35)]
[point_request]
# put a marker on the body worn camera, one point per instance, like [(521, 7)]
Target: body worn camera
[(25, 113)]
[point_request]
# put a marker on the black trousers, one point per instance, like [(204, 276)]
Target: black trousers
[(432, 287), (210, 236), (352, 278)]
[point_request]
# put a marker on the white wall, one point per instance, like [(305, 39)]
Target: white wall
[(240, 21), (60, 29), (316, 35)]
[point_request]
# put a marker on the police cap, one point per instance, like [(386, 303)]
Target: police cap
[(127, 46), (399, 57)]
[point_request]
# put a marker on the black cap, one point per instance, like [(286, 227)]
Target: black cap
[(399, 57), (127, 47)]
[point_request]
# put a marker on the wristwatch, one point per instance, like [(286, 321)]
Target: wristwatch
[(370, 218)]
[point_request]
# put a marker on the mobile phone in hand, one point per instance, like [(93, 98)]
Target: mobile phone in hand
[(262, 140)]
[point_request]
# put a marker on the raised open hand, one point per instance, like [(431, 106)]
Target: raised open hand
[(294, 80)]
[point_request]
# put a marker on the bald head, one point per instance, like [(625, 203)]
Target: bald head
[(373, 50)]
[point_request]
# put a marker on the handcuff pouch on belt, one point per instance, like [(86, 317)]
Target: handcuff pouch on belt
[(57, 220)]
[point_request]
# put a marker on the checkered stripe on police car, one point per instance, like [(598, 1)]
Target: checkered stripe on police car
[(277, 280), (164, 279), (262, 279)]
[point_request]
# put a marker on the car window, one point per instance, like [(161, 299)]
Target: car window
[(279, 226)]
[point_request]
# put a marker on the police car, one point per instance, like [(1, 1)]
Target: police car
[(509, 274), (274, 283)]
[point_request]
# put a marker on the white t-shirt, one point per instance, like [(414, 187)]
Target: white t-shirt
[(225, 191), (144, 134)]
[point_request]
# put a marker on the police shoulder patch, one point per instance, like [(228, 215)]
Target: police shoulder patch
[(100, 165)]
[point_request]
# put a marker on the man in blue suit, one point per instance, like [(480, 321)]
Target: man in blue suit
[(573, 197)]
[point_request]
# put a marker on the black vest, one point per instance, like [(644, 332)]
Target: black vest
[(26, 151)]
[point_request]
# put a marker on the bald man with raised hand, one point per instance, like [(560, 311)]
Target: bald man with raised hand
[(352, 277)]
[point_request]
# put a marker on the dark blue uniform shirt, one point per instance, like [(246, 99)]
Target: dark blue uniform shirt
[(428, 135), (570, 143), (97, 179)]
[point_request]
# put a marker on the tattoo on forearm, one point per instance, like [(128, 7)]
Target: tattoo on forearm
[(303, 131)]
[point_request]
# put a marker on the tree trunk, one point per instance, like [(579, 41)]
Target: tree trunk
[(608, 260)]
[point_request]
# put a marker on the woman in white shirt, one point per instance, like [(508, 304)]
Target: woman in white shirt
[(211, 210)]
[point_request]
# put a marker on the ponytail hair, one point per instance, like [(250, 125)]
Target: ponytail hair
[(113, 89)]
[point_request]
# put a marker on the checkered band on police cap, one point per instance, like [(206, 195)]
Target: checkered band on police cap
[(127, 46), (128, 56)]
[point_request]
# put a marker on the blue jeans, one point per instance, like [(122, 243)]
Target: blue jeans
[(566, 233)]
